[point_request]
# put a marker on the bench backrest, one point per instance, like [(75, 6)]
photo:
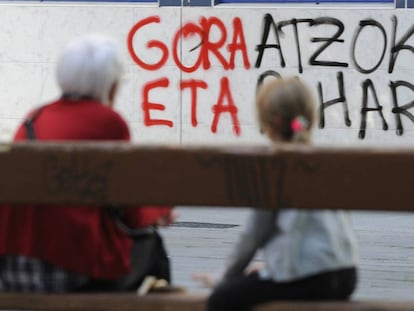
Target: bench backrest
[(287, 176)]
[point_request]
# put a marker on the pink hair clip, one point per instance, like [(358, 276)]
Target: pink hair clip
[(299, 124)]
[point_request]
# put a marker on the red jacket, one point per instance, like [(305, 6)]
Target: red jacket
[(79, 239)]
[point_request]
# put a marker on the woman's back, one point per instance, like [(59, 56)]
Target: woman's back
[(59, 234), (77, 120), (308, 242)]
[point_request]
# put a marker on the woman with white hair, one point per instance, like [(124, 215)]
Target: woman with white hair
[(63, 248)]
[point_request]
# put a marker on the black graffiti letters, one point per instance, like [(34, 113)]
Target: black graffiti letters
[(340, 99), (362, 25), (369, 91), (266, 74), (277, 28), (324, 56), (328, 41), (401, 45), (398, 110), (367, 84), (76, 177), (295, 23), (269, 24)]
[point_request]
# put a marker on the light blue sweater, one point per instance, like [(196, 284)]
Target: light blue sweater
[(296, 243)]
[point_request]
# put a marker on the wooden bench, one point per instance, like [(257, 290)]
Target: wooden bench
[(172, 302), (124, 174)]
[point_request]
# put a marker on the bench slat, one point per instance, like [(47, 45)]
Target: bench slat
[(172, 302), (338, 306), (100, 302), (124, 174)]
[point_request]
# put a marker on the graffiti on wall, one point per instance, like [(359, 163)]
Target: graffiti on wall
[(206, 49), (229, 42)]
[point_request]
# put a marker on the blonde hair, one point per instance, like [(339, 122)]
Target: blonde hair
[(285, 109)]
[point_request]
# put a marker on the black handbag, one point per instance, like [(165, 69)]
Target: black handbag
[(148, 254)]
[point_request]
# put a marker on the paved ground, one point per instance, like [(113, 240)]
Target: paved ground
[(202, 238)]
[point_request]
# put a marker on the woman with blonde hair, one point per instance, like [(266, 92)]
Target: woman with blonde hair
[(308, 255)]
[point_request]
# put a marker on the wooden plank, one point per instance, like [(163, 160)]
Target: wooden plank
[(124, 174), (171, 302), (338, 306), (101, 302)]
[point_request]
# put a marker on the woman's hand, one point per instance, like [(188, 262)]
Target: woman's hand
[(205, 279), (255, 267)]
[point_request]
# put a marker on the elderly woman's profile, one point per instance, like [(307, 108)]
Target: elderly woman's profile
[(81, 248)]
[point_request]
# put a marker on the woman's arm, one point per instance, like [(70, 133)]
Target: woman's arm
[(260, 226), (138, 217)]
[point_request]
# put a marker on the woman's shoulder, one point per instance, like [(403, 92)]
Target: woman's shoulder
[(103, 110), (110, 122), (114, 121)]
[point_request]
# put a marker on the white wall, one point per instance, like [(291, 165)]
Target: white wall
[(31, 37)]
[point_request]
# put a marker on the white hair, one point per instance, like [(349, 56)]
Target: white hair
[(89, 66)]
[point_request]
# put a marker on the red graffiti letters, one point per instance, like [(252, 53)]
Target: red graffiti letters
[(219, 108), (186, 31), (150, 44), (147, 106), (207, 47), (216, 42), (238, 43), (193, 85)]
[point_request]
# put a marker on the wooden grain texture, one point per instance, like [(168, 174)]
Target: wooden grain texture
[(172, 302), (101, 302), (288, 176), (338, 306), (123, 174)]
